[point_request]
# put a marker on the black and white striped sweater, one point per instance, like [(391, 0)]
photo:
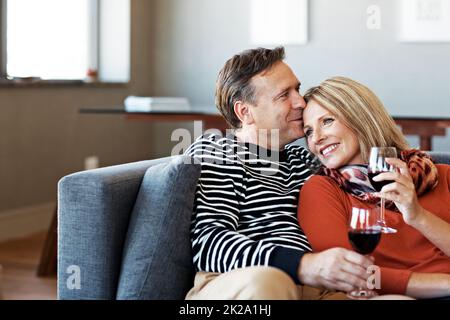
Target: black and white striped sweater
[(246, 205)]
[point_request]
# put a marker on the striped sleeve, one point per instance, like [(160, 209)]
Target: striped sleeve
[(219, 244)]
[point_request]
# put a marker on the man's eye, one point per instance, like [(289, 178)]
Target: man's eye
[(308, 133)]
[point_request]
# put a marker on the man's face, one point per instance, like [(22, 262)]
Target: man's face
[(279, 104)]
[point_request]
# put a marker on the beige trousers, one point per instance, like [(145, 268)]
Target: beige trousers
[(255, 283)]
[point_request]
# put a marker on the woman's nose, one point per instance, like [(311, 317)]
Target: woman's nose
[(318, 136)]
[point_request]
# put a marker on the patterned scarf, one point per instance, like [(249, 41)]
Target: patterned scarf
[(354, 180)]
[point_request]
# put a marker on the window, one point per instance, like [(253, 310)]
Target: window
[(56, 33), (65, 39)]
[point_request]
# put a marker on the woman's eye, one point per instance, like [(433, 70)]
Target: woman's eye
[(328, 120), (308, 133)]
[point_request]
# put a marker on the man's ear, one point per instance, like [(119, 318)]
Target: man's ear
[(243, 112)]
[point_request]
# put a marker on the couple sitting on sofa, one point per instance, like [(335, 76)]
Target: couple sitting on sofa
[(246, 240)]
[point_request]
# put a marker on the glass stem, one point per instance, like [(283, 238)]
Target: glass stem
[(382, 210)]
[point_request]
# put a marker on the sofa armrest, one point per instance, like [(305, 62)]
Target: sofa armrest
[(94, 209)]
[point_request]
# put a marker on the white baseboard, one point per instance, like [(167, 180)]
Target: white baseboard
[(22, 222)]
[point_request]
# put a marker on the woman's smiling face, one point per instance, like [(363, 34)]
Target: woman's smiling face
[(334, 143)]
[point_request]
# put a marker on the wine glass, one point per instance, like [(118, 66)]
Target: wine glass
[(364, 234), (377, 165)]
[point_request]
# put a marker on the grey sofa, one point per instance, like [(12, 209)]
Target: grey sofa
[(123, 231)]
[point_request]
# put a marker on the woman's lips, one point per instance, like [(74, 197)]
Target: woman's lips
[(327, 150)]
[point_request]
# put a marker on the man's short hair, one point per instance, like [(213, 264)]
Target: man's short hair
[(234, 80)]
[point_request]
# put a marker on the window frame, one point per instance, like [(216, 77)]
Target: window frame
[(3, 51)]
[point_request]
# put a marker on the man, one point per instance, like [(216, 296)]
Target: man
[(245, 237)]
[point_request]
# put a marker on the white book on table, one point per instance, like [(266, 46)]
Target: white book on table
[(156, 104)]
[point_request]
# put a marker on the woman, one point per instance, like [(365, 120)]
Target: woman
[(342, 120)]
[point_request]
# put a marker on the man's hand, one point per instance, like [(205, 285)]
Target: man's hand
[(335, 269)]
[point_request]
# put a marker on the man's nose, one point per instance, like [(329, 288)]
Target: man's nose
[(298, 102)]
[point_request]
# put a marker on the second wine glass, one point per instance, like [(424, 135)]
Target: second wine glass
[(364, 234), (377, 165)]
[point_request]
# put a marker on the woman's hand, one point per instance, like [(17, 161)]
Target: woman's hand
[(401, 191)]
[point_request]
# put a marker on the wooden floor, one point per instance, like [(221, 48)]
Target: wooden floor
[(18, 280)]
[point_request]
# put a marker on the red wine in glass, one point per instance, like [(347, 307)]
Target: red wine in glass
[(378, 185), (364, 241), (377, 164), (364, 234)]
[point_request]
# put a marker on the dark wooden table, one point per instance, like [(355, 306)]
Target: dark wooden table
[(425, 128), (210, 120)]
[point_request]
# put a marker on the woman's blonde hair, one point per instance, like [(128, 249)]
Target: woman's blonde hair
[(360, 110)]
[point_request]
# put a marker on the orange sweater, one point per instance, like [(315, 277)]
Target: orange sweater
[(324, 212)]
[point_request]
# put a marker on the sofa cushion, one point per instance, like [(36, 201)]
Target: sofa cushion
[(157, 260), (440, 156)]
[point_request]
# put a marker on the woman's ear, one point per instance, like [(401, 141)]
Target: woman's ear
[(243, 112)]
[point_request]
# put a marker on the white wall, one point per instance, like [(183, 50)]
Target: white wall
[(193, 38)]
